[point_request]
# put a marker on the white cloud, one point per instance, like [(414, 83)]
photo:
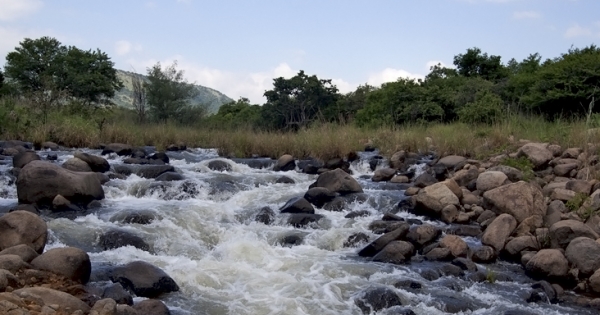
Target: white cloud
[(391, 75), (15, 9), (124, 47), (578, 31), (526, 15), (11, 37)]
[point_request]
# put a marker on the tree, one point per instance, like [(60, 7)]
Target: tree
[(348, 105), (473, 63), (138, 95), (294, 103), (168, 93)]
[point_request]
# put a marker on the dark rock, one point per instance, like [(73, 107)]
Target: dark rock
[(356, 239), (377, 245), (484, 255), (303, 219), (430, 274), (117, 292), (381, 227), (542, 292), (22, 158), (356, 214), (51, 156), (451, 303), (319, 196), (139, 153), (290, 240), (76, 165), (118, 148), (285, 180), (285, 163), (26, 207), (96, 163), (151, 307), (265, 215), (383, 174), (143, 279), (135, 217), (423, 234), (425, 180), (409, 285), (388, 216), (452, 270), (439, 254), (219, 166), (169, 177), (297, 205), (465, 264), (160, 156), (118, 238), (337, 204), (375, 299), (142, 161), (176, 147), (465, 230), (338, 181), (395, 252), (70, 262)]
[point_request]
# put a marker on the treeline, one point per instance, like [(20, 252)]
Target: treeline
[(480, 88)]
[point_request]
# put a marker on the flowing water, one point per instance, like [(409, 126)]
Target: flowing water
[(206, 239)]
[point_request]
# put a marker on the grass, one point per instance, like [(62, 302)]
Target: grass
[(523, 164)]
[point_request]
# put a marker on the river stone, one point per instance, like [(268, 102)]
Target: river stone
[(104, 307), (375, 299), (303, 219), (116, 292), (76, 165), (7, 279), (513, 174), (537, 153), (12, 263), (22, 227), (319, 196), (135, 217), (285, 163), (442, 193), (22, 158), (595, 281), (49, 145), (484, 255), (584, 253), (395, 252), (377, 245), (118, 238), (297, 205), (54, 297), (24, 251), (579, 186), (219, 166), (153, 171), (355, 239), (151, 307), (490, 180), (548, 264), (422, 235), (143, 279), (521, 200), (465, 264), (40, 182), (338, 181), (71, 262), (565, 169), (169, 177), (555, 210), (439, 254), (451, 161), (160, 156), (425, 180), (498, 231), (563, 232), (265, 215), (383, 174), (96, 163), (456, 245), (449, 214), (515, 246), (118, 148)]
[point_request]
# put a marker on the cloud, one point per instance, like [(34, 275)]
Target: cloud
[(15, 9), (578, 31), (391, 75), (123, 47), (526, 15), (11, 37)]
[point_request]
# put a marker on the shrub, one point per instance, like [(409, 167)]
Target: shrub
[(486, 109)]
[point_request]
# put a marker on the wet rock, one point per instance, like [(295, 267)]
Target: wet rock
[(595, 281), (454, 304), (537, 153), (375, 299), (484, 255), (118, 148), (25, 252), (377, 245), (297, 205), (61, 204), (143, 279), (498, 231), (51, 156), (356, 239), (142, 161), (177, 147), (490, 180), (465, 230), (395, 252), (151, 307), (338, 181), (70, 262), (452, 270), (425, 180), (563, 232), (542, 292), (584, 254), (96, 163), (118, 238), (548, 264), (169, 177), (409, 285), (49, 296), (465, 264), (383, 174), (22, 158), (357, 214), (219, 166), (521, 200), (116, 292), (439, 254), (303, 219), (319, 196), (160, 156), (285, 180), (22, 227), (430, 274), (381, 227), (422, 235), (135, 217), (456, 245), (337, 204), (285, 163), (40, 182), (76, 165), (49, 145), (449, 214), (519, 244), (292, 239), (265, 215)]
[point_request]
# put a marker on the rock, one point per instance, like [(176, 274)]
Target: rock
[(151, 307), (490, 180), (338, 181), (96, 163), (375, 299), (465, 230), (537, 153), (555, 209), (219, 166), (595, 281), (26, 253), (449, 214), (60, 203), (22, 227), (116, 292), (439, 254), (383, 174), (153, 171), (464, 177), (291, 239), (355, 239), (484, 255), (143, 279), (142, 161), (513, 174), (169, 177), (373, 248), (160, 156), (135, 217), (319, 196), (422, 235), (562, 194), (285, 163), (180, 146), (456, 245), (303, 219), (76, 165), (395, 252), (71, 262), (118, 238), (118, 148), (265, 216), (49, 296), (49, 145), (465, 264), (337, 204), (104, 307), (442, 193), (357, 214), (563, 232), (40, 181), (519, 244), (498, 231), (285, 180), (381, 227), (425, 180), (565, 169), (12, 263), (549, 264), (7, 279), (297, 205), (584, 254), (26, 207), (579, 186), (399, 179), (521, 200), (22, 158), (451, 161)]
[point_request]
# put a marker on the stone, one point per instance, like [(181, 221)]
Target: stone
[(118, 148), (584, 254), (96, 163), (151, 307), (464, 177), (116, 292), (452, 161), (143, 279), (579, 186), (22, 227), (285, 163), (595, 281), (135, 217), (383, 174), (49, 145), (515, 246), (12, 263), (70, 262), (76, 165), (297, 205), (104, 307), (375, 299), (299, 220), (265, 215), (399, 179), (338, 181), (425, 180), (219, 166), (555, 209), (169, 177), (563, 232), (25, 252), (490, 180), (319, 196), (456, 245), (549, 264), (562, 194), (537, 153), (449, 214), (465, 264), (484, 255), (565, 169), (521, 200), (356, 239), (422, 235), (49, 296), (376, 246), (395, 252), (22, 158), (439, 254), (114, 238), (498, 231), (513, 174)]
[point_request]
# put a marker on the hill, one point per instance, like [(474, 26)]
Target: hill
[(207, 96)]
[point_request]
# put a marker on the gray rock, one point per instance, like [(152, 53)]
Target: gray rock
[(143, 279), (338, 181), (22, 227), (71, 262)]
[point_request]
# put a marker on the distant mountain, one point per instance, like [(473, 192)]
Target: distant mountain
[(206, 96)]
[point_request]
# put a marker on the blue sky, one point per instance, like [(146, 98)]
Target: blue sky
[(239, 46)]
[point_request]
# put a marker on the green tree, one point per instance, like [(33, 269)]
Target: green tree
[(296, 102), (168, 93), (474, 63), (236, 114), (347, 105)]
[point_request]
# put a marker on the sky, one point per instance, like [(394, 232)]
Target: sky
[(239, 46)]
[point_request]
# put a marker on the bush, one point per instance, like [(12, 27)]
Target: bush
[(486, 109)]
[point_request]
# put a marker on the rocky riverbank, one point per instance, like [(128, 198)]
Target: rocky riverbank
[(543, 216)]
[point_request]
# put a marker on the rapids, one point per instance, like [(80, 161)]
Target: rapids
[(206, 238)]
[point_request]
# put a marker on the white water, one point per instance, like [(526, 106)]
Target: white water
[(225, 263)]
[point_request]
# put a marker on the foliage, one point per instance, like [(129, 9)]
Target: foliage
[(576, 202), (486, 109), (474, 63), (168, 93), (236, 115), (490, 275)]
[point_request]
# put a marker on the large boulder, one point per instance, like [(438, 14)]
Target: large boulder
[(383, 174), (422, 235), (595, 281), (143, 279), (584, 253), (432, 200), (118, 148), (23, 227), (451, 161), (62, 300), (96, 163), (39, 182), (24, 251), (563, 232), (145, 171), (537, 153), (521, 200), (498, 231), (12, 263), (513, 174), (548, 264), (515, 246), (338, 181), (377, 245), (490, 180), (319, 196), (396, 252), (297, 205), (22, 158), (71, 262), (285, 163), (219, 166), (76, 165)]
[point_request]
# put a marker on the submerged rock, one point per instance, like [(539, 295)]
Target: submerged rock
[(375, 299), (143, 279)]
